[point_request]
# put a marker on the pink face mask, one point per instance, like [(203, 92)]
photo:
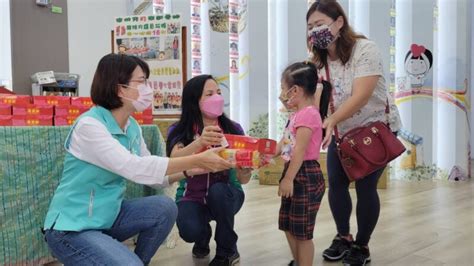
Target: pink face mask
[(145, 97), (213, 106)]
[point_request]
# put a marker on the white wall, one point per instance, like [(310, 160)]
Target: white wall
[(471, 80), (90, 23), (297, 50), (258, 43), (5, 44), (372, 19)]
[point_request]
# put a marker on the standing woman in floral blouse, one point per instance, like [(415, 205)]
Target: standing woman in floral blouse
[(360, 96)]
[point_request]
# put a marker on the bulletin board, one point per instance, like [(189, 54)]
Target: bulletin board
[(160, 40)]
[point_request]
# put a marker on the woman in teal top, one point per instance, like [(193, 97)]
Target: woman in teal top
[(88, 217)]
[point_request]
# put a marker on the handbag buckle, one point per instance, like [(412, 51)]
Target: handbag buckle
[(352, 142), (367, 141)]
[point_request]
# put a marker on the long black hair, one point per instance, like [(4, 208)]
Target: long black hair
[(190, 121), (305, 75)]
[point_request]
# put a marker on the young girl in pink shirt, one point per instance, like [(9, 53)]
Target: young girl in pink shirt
[(302, 184)]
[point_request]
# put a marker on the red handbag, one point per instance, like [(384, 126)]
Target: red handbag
[(366, 149)]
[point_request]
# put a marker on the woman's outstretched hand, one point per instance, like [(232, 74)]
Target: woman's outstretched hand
[(210, 160)]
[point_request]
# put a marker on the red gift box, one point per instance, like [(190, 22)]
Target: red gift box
[(5, 120), (52, 100), (32, 120), (70, 110), (147, 112), (5, 109), (66, 120), (143, 119), (264, 146), (33, 109), (82, 101), (15, 99)]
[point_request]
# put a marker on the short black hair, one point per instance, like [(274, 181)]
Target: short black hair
[(112, 70)]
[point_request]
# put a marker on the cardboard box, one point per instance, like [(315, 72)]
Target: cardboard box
[(52, 100), (5, 109), (33, 109), (82, 101), (32, 120), (64, 120), (5, 120), (70, 110), (270, 174), (164, 124), (15, 99)]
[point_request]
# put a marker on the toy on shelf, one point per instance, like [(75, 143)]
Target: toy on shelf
[(248, 152)]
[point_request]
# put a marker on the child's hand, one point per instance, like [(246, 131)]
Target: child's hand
[(286, 188)]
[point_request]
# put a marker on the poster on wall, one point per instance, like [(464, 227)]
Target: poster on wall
[(158, 7), (157, 40), (196, 37), (233, 36)]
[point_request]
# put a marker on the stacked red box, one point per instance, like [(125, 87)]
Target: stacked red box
[(64, 120), (147, 112), (33, 109), (66, 115), (70, 110), (5, 109), (5, 120), (145, 117), (143, 120), (32, 120), (82, 101), (15, 99), (52, 100)]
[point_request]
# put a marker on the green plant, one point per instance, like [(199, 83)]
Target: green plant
[(259, 128)]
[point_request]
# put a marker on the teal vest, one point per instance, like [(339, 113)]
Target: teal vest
[(90, 197)]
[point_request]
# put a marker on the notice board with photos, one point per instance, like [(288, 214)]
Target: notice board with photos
[(160, 40)]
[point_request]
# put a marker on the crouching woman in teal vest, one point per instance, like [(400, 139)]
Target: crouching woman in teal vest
[(88, 217)]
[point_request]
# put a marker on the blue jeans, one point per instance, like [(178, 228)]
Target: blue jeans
[(223, 202), (150, 217)]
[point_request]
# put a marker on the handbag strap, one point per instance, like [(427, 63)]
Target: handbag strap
[(331, 105)]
